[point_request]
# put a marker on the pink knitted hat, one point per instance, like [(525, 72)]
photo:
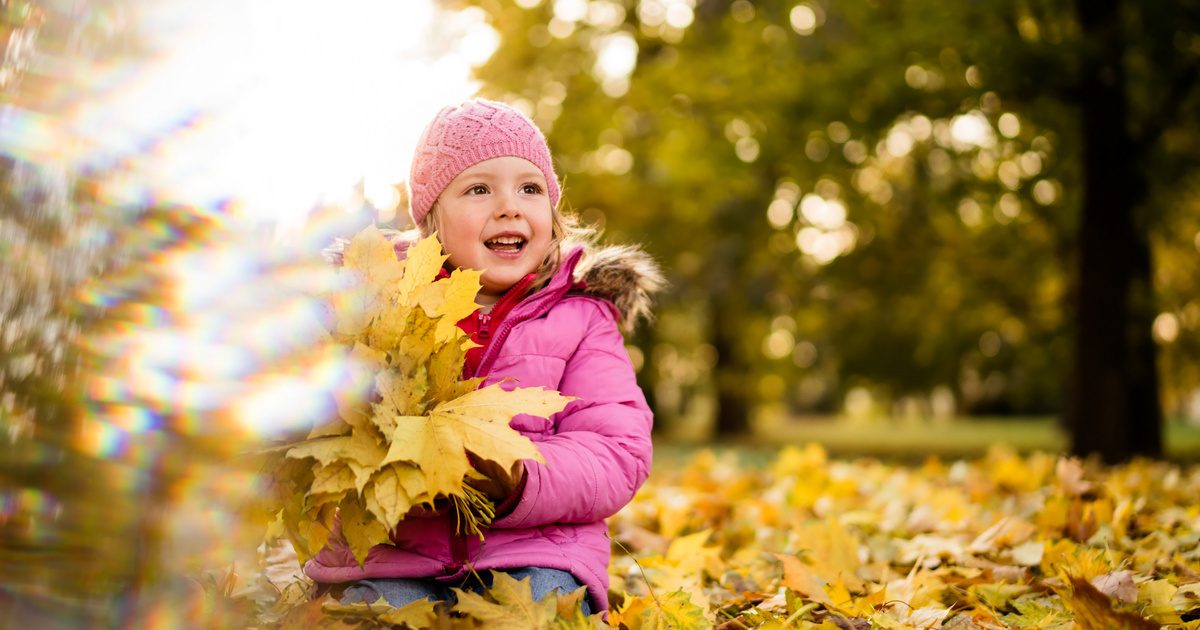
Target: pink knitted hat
[(463, 136)]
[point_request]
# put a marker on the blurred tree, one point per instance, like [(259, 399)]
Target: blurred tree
[(1127, 74), (889, 195), (86, 469), (55, 542)]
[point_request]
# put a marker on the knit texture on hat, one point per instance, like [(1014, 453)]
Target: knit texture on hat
[(463, 136)]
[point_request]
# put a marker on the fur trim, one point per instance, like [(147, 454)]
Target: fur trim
[(626, 276)]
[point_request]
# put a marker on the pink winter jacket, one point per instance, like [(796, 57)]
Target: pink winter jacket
[(597, 450)]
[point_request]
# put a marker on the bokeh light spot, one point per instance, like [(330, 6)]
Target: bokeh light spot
[(1045, 192), (803, 18), (746, 149), (1009, 125), (1166, 328)]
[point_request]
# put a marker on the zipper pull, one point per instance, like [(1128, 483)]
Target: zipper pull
[(485, 319)]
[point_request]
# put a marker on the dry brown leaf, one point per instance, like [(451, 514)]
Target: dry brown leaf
[(1093, 609)]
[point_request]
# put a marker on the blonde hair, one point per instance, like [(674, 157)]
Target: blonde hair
[(565, 232)]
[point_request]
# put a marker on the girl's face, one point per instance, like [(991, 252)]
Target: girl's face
[(496, 217)]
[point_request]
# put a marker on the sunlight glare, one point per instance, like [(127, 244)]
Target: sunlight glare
[(278, 105)]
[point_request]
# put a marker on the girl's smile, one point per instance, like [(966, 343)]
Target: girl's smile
[(496, 217), (507, 244)]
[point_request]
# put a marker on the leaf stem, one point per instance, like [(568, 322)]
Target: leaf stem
[(800, 612), (641, 569)]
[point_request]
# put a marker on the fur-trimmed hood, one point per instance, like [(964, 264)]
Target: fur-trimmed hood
[(622, 274)]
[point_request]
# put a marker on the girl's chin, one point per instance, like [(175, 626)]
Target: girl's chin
[(493, 288)]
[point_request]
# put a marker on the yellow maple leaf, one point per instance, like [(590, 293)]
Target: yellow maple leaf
[(356, 448), (445, 367), (417, 614), (508, 604), (421, 265), (393, 491), (307, 530), (1158, 596), (842, 599), (570, 610), (451, 300), (353, 308), (352, 398), (358, 451), (404, 395), (372, 256), (690, 554), (371, 259), (476, 422), (361, 529), (798, 577), (392, 323), (417, 344), (331, 478), (669, 611), (334, 428), (832, 552)]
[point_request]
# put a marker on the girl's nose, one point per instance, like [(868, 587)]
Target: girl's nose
[(507, 206)]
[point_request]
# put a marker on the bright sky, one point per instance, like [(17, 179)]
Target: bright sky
[(264, 110), (277, 104)]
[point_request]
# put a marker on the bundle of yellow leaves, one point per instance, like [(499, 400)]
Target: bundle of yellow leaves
[(406, 420)]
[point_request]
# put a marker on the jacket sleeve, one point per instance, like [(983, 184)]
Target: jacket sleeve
[(600, 451)]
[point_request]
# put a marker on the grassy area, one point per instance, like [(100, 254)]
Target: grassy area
[(914, 440)]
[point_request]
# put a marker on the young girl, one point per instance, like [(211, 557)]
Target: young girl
[(548, 317)]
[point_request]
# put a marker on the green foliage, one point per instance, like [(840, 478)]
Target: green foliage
[(946, 133)]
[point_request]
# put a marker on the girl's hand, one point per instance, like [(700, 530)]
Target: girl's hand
[(494, 481), (334, 252)]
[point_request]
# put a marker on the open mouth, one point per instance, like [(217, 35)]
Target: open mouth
[(508, 244)]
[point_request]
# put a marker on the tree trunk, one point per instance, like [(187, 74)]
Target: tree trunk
[(1114, 409), (733, 412)]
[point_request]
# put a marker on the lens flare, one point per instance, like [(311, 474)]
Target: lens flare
[(175, 167)]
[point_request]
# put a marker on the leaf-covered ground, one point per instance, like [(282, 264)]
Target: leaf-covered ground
[(1034, 541)]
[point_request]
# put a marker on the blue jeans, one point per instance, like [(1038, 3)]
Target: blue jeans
[(400, 591)]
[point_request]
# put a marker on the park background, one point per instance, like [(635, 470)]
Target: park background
[(895, 228)]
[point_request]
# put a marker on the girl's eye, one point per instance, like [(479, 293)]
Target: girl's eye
[(477, 189), (531, 189)]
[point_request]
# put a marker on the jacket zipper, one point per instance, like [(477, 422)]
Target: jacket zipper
[(489, 357), (494, 347), (459, 551), (458, 542)]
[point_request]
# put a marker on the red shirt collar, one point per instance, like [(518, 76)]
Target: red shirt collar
[(482, 326)]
